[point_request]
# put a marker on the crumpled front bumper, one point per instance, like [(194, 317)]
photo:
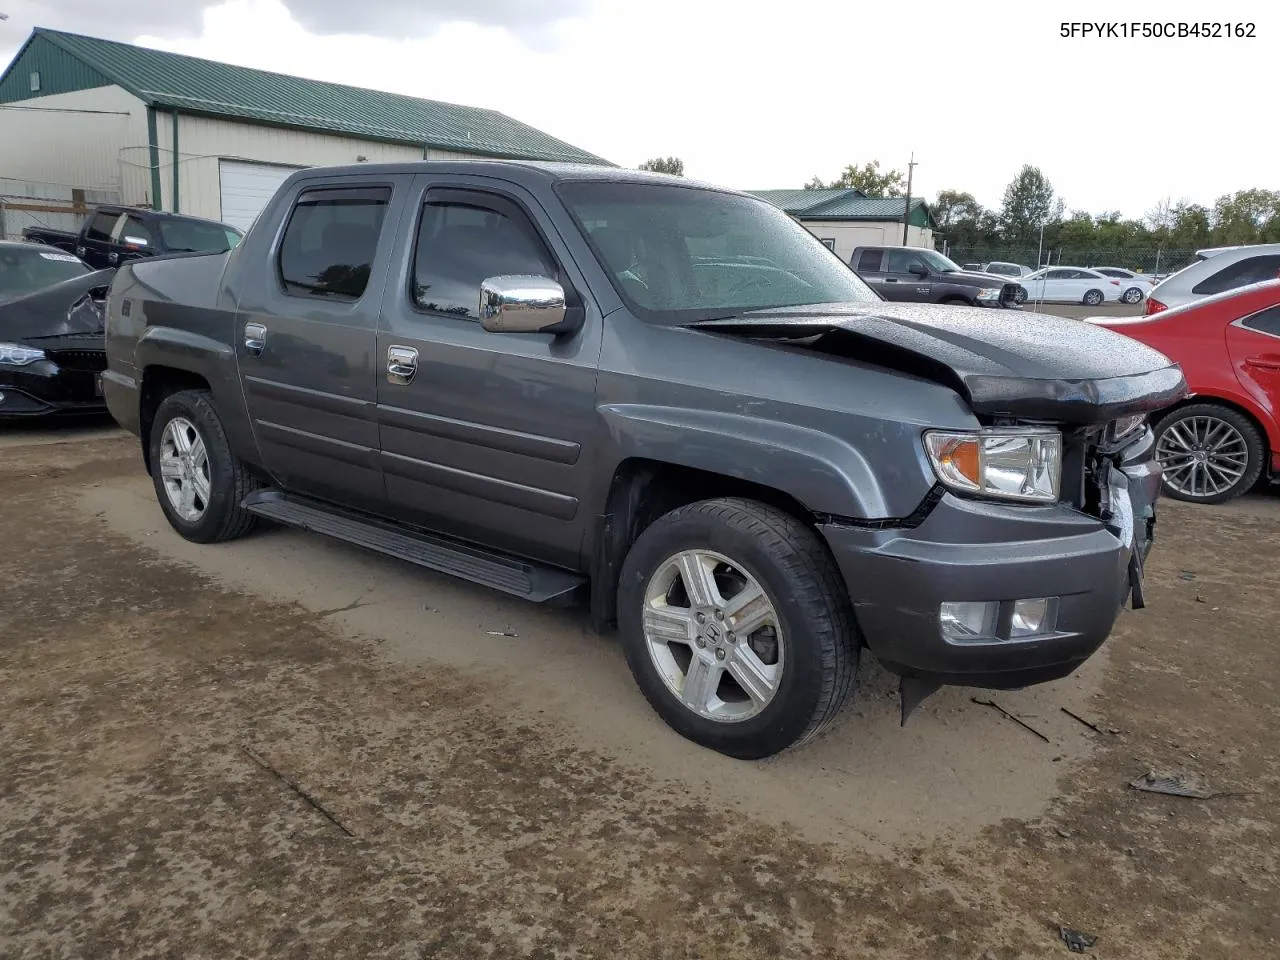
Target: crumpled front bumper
[(968, 550)]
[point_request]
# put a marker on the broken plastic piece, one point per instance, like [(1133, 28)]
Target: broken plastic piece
[(1077, 941), (913, 691), (1173, 785)]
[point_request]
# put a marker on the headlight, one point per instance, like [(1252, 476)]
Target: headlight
[(988, 293), (16, 355), (1013, 464), (1127, 425)]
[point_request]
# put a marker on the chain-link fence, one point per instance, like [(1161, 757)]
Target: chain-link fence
[(1150, 260)]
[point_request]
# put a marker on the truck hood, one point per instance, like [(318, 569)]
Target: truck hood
[(971, 278), (1004, 363)]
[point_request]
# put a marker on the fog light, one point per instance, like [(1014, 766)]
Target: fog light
[(969, 621), (1033, 618)]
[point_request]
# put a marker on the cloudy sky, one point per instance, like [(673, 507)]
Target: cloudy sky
[(766, 95)]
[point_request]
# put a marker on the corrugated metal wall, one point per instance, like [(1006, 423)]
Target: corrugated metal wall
[(203, 141), (24, 203)]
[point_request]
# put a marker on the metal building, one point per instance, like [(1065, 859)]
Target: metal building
[(214, 140)]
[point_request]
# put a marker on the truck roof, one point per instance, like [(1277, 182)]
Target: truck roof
[(519, 171)]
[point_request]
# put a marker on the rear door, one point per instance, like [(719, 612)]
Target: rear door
[(899, 282), (1254, 345), (869, 265), (95, 243), (307, 334), (486, 435)]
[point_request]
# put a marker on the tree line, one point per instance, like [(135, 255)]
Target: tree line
[(969, 228)]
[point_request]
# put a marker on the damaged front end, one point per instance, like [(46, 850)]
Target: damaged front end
[(988, 590)]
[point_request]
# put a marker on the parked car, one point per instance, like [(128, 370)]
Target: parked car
[(1216, 443), (1004, 269), (1071, 285), (114, 235), (925, 276), (1133, 286), (556, 380), (1216, 270), (51, 349)]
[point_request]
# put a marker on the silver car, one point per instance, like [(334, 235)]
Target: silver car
[(1216, 270)]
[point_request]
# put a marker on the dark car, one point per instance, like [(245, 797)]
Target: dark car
[(917, 275), (51, 343), (113, 235), (666, 398)]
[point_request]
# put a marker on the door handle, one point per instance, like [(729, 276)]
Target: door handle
[(1263, 363), (890, 279), (402, 364), (255, 338)]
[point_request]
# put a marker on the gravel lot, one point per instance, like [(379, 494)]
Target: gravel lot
[(285, 747)]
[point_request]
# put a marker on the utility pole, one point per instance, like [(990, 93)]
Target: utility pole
[(906, 213)]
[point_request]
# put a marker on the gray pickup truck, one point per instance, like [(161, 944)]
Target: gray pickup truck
[(667, 400)]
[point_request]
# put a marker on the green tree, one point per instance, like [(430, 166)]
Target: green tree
[(1029, 202), (671, 165), (868, 178), (1244, 216), (962, 220)]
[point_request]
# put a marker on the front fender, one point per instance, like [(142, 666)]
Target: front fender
[(822, 472)]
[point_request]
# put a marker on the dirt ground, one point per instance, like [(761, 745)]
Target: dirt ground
[(285, 747)]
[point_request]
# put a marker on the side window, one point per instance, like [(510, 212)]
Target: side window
[(1265, 321), (330, 240), (136, 233), (869, 262), (1060, 274), (101, 226), (466, 237), (1243, 273), (901, 261)]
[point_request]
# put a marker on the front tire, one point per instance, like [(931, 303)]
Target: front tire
[(737, 627), (199, 482), (1210, 453), (1093, 298)]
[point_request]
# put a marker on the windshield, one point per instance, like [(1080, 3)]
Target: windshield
[(196, 236), (937, 262), (680, 255), (26, 269)]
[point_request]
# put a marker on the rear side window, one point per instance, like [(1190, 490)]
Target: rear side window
[(1265, 321), (1240, 274), (467, 237), (101, 226), (330, 240), (869, 261)]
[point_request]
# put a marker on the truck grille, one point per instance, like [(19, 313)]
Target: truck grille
[(91, 361)]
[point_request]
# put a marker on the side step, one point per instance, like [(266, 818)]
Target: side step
[(526, 579)]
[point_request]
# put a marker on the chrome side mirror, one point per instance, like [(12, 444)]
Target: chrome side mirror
[(521, 304)]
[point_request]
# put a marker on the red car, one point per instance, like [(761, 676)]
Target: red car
[(1217, 443)]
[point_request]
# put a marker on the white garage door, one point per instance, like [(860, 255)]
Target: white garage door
[(245, 189)]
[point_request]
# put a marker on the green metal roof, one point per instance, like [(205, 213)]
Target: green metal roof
[(192, 85), (846, 204)]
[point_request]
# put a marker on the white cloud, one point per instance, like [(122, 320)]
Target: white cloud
[(767, 95)]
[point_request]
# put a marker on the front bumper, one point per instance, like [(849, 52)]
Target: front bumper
[(44, 389), (967, 550)]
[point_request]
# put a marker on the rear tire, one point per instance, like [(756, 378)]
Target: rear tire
[(1132, 295), (1210, 453), (798, 650), (199, 482), (1093, 298)]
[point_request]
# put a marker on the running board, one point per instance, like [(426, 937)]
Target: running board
[(526, 579)]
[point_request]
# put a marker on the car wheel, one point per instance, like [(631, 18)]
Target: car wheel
[(1020, 297), (737, 626), (1210, 453), (956, 301), (199, 482), (1132, 295), (1093, 298)]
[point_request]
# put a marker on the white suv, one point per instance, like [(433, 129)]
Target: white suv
[(1216, 270)]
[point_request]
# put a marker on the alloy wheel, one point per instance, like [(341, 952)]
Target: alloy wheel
[(184, 468), (1202, 456)]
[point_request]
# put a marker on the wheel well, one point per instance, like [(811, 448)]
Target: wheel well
[(955, 298), (159, 382), (642, 491), (1230, 405)]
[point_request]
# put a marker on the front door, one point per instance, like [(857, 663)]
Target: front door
[(95, 242), (485, 436), (306, 336), (900, 283)]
